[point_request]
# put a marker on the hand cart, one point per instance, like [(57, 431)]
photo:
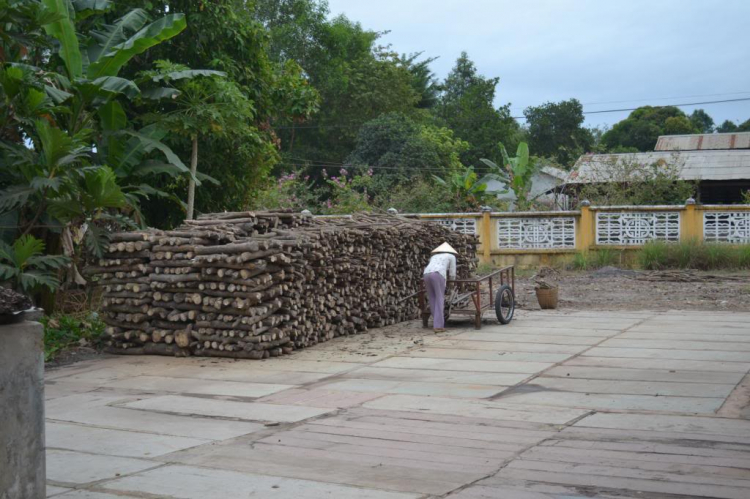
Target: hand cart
[(472, 297)]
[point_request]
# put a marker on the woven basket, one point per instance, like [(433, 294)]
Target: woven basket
[(547, 297)]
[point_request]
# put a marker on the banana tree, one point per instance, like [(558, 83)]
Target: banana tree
[(466, 188), (518, 172)]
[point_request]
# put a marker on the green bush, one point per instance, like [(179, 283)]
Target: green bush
[(64, 331), (484, 269)]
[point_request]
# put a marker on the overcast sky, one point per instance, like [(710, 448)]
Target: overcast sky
[(608, 54)]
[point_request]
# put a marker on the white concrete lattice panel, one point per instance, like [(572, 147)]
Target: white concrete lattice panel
[(726, 226), (626, 228), (536, 233)]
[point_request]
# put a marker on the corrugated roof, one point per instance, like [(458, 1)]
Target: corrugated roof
[(693, 165), (703, 142)]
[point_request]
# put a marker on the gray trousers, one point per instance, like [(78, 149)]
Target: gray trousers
[(434, 284)]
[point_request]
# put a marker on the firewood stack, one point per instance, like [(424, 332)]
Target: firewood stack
[(257, 285)]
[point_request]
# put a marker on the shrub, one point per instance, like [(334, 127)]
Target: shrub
[(605, 257), (64, 331), (654, 255), (596, 259), (580, 261)]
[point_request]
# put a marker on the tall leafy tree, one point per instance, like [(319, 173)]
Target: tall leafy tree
[(702, 121), (401, 149), (226, 35), (466, 106), (555, 130), (642, 128)]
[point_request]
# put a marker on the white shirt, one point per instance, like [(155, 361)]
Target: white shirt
[(442, 263)]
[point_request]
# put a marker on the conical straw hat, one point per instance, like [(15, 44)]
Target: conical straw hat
[(445, 248)]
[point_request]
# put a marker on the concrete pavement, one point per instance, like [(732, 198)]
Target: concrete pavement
[(556, 404)]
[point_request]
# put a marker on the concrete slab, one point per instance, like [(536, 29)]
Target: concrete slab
[(671, 353), (114, 442), (325, 398), (89, 494), (500, 346), (625, 374), (157, 423), (244, 411), (461, 377), (197, 386), (490, 410), (707, 344), (548, 339), (653, 422), (619, 403), (675, 365), (241, 372), (497, 366), (417, 388), (187, 482), (656, 388), (77, 468), (453, 353)]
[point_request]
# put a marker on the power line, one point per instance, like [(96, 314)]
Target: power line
[(657, 98), (359, 124)]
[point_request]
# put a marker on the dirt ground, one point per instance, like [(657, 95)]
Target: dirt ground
[(628, 290)]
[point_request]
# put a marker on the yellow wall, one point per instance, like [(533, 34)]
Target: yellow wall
[(691, 228)]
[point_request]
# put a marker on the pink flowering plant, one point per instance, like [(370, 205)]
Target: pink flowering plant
[(348, 192), (292, 190)]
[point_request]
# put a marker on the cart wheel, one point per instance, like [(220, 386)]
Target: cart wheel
[(505, 304)]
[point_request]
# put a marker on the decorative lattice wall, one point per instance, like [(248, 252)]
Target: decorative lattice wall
[(462, 225), (629, 228), (726, 226), (536, 233)]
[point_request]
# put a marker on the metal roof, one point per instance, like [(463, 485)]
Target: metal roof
[(703, 141), (693, 165)]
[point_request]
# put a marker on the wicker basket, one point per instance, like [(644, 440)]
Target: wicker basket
[(547, 297)]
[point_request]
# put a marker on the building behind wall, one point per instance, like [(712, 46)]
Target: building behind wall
[(718, 162)]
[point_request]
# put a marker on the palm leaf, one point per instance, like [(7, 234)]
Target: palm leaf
[(112, 116), (115, 34), (110, 62), (63, 30)]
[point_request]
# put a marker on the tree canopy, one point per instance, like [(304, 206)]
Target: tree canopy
[(642, 128)]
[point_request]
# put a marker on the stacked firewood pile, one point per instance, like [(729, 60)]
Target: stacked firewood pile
[(256, 285)]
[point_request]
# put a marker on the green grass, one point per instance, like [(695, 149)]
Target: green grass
[(484, 269), (62, 332), (656, 255), (596, 259)]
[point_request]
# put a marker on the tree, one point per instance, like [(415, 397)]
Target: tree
[(466, 106), (727, 127), (396, 144), (642, 128), (702, 121), (555, 130), (226, 36), (208, 105)]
